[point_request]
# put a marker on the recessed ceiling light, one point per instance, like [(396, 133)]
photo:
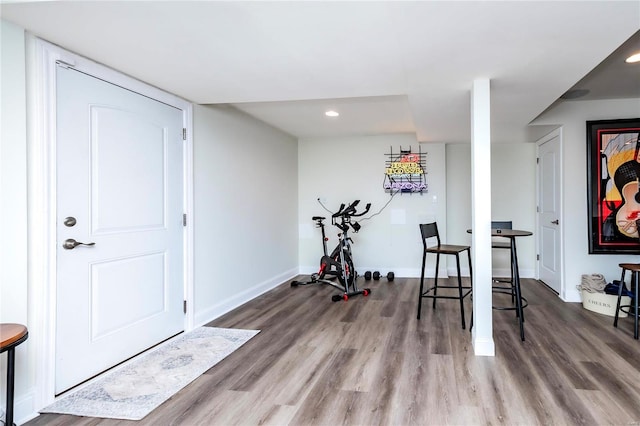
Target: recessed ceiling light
[(633, 58), (331, 113)]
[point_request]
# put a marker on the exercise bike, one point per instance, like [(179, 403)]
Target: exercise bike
[(339, 264)]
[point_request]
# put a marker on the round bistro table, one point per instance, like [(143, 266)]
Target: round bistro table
[(512, 234)]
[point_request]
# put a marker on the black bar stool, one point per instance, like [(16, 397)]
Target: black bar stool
[(428, 231), (635, 272), (11, 335), (496, 244)]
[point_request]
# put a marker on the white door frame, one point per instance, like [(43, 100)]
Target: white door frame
[(41, 87), (555, 133)]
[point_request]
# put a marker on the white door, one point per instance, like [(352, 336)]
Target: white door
[(549, 226), (119, 188)]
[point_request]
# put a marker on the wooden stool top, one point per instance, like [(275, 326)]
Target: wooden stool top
[(635, 267), (11, 334)]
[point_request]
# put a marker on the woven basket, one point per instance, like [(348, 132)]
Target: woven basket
[(603, 303)]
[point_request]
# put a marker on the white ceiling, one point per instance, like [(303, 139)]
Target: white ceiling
[(387, 67)]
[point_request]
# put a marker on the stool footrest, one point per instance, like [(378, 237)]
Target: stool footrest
[(437, 296), (511, 292), (627, 309)]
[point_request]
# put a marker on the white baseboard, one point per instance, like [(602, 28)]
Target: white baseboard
[(571, 296), (307, 270), (505, 272), (484, 347), (241, 298), (429, 273), (24, 408)]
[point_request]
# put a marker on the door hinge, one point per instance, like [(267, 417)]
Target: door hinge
[(184, 307), (184, 134), (537, 209), (537, 257), (184, 219), (64, 64), (537, 160)]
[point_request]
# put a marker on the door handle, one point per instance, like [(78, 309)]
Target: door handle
[(555, 222), (70, 244)]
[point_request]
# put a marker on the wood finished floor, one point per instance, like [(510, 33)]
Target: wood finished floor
[(368, 361)]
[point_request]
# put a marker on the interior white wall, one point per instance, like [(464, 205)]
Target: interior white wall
[(513, 197), (340, 170), (245, 178), (268, 195), (572, 117), (13, 173), (245, 209), (378, 244), (13, 203), (458, 183)]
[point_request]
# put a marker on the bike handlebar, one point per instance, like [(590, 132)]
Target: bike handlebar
[(346, 213), (339, 211), (366, 210), (350, 210)]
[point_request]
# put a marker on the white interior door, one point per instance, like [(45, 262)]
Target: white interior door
[(549, 226), (119, 188)]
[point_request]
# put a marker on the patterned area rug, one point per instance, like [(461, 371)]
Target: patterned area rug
[(134, 390)]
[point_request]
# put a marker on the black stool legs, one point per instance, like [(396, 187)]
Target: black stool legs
[(433, 291), (424, 261), (634, 284), (11, 362)]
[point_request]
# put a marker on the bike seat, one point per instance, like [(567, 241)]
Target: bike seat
[(317, 218)]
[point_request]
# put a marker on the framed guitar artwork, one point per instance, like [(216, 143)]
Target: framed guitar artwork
[(613, 182)]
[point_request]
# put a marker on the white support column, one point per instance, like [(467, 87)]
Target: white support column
[(482, 335)]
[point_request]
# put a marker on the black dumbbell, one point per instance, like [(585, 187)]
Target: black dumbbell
[(377, 275)]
